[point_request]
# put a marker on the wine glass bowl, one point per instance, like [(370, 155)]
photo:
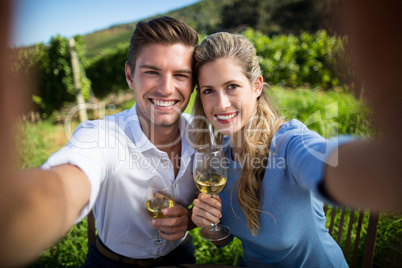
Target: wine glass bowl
[(210, 183), (210, 175), (159, 195), (155, 205)]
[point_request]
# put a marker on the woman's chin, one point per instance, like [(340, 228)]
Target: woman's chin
[(224, 130)]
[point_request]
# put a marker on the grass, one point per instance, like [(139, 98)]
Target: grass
[(101, 40), (321, 111)]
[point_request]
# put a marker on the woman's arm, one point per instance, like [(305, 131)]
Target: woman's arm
[(369, 172), (367, 176)]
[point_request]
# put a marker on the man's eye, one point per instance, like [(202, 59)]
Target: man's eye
[(152, 72), (182, 75)]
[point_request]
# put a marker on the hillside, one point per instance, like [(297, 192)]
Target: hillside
[(208, 16), (203, 16)]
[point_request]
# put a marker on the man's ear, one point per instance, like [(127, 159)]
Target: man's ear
[(258, 86), (129, 75)]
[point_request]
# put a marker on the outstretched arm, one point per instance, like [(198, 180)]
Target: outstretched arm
[(369, 174), (37, 207), (41, 206)]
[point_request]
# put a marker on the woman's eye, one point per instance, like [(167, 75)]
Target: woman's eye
[(207, 91), (233, 86)]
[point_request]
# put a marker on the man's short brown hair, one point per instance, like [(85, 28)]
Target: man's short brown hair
[(162, 30)]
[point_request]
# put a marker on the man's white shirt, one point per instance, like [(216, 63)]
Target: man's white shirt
[(118, 160)]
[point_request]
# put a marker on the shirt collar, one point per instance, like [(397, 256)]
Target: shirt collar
[(143, 143)]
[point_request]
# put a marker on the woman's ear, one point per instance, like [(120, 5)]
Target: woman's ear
[(258, 86)]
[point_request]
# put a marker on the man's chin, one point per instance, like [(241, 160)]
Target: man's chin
[(166, 122)]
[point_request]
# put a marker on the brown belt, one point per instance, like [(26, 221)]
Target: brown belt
[(139, 262)]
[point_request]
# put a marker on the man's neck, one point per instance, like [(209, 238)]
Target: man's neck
[(166, 139), (163, 137)]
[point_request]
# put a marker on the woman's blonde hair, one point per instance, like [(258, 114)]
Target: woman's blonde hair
[(266, 119)]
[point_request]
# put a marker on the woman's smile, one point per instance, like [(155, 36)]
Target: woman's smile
[(226, 117)]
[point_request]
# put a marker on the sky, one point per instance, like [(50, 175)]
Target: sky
[(36, 21)]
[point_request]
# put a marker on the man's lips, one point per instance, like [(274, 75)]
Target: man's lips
[(163, 103)]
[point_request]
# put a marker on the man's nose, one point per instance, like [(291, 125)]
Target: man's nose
[(167, 85)]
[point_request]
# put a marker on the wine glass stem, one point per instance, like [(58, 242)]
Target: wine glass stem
[(158, 240), (214, 226)]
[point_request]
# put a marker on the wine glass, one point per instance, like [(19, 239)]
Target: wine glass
[(159, 195), (210, 177)]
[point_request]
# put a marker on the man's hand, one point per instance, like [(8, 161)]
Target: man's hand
[(206, 210), (176, 225)]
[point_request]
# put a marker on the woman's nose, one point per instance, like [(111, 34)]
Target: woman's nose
[(223, 101)]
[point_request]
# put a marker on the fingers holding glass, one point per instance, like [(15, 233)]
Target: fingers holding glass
[(210, 175), (206, 211), (159, 195)]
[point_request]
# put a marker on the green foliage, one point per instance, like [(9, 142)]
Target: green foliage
[(329, 114), (292, 61), (206, 252), (56, 82), (240, 13), (106, 71), (36, 141), (203, 16), (210, 16), (388, 250), (335, 233), (100, 41), (55, 79), (276, 17), (285, 60), (68, 252)]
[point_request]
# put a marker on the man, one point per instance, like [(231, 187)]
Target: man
[(107, 163)]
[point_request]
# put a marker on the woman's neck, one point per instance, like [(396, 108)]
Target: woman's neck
[(238, 141)]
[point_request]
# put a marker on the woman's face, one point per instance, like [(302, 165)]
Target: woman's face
[(228, 97)]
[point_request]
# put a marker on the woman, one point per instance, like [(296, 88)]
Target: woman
[(270, 200)]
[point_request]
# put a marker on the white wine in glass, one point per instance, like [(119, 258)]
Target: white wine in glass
[(159, 195), (210, 183), (210, 175)]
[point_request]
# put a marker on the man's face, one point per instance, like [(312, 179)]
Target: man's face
[(162, 82)]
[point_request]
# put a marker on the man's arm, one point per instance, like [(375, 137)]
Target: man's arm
[(41, 206)]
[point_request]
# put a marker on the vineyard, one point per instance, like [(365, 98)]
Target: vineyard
[(39, 140), (309, 72), (309, 60)]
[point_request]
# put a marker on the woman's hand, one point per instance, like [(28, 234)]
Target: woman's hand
[(206, 210)]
